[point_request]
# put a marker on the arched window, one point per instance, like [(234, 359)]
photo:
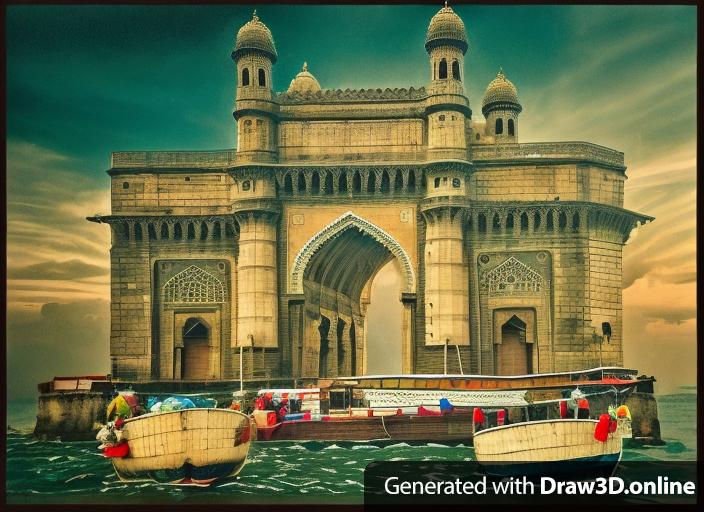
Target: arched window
[(575, 222), (191, 231), (443, 69), (151, 231), (481, 223), (138, 232), (315, 183), (455, 70), (411, 182), (262, 78), (178, 232), (524, 221), (342, 182), (371, 182), (499, 126), (328, 183), (496, 224), (356, 182), (164, 232), (398, 181), (511, 130), (245, 76), (385, 182), (301, 183), (437, 182)]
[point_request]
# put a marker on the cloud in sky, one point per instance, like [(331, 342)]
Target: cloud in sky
[(87, 80)]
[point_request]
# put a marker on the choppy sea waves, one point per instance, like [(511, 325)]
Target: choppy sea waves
[(311, 472)]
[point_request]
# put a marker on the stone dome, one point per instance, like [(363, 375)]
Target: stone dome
[(254, 35), (500, 92), (446, 28), (304, 82)]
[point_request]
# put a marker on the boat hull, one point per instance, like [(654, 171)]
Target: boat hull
[(455, 427), (187, 447), (547, 448)]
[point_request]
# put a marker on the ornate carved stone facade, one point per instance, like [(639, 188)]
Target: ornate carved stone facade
[(511, 252)]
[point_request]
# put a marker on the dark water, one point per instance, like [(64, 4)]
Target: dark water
[(74, 472)]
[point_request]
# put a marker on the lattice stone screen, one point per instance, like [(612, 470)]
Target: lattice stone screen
[(512, 276), (194, 285)]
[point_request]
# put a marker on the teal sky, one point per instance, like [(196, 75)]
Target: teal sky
[(83, 81)]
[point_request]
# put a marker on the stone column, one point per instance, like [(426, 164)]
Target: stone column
[(346, 342), (408, 332), (446, 279), (257, 297)]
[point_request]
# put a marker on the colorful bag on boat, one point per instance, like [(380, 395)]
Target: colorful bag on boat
[(563, 409), (601, 431), (119, 450), (422, 411), (446, 406), (118, 408), (623, 412), (500, 417), (478, 415)]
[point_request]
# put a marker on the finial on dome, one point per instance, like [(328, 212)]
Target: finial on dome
[(446, 4), (254, 15), (501, 72), (305, 66)]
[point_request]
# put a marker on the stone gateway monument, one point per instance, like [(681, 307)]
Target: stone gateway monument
[(510, 253)]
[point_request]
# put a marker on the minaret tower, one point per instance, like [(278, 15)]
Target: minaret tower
[(446, 295), (255, 112), (448, 114), (501, 108)]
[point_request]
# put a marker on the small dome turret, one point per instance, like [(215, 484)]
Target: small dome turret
[(446, 28), (254, 35), (500, 94), (304, 82)]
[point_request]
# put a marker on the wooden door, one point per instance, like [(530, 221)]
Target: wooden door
[(196, 356), (512, 354)]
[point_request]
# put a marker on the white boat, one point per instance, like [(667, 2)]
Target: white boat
[(560, 446), (195, 446)]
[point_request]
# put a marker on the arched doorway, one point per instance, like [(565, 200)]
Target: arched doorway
[(513, 354), (334, 272), (384, 316), (195, 356)]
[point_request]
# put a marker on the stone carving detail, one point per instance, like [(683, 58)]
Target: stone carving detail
[(335, 95), (512, 276), (194, 285), (337, 227)]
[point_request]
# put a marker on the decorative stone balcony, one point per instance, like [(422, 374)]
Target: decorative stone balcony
[(568, 151), (174, 159)]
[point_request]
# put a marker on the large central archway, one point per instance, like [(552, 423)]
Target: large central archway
[(334, 271)]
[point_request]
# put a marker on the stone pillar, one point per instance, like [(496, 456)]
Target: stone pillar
[(446, 279), (257, 297), (408, 332), (295, 330), (346, 342), (177, 363)]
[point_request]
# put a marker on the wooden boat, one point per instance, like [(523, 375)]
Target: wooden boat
[(612, 376), (548, 447), (185, 447), (451, 427)]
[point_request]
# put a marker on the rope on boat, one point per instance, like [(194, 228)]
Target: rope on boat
[(384, 427)]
